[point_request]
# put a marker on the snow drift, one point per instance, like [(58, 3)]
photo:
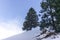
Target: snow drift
[(30, 35)]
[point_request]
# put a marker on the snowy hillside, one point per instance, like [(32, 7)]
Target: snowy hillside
[(50, 38), (30, 35), (24, 36)]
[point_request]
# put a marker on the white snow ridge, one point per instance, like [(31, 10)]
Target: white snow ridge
[(30, 35)]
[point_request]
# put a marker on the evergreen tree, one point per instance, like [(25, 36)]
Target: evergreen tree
[(51, 15), (31, 20)]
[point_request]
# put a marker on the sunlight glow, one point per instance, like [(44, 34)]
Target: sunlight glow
[(8, 29)]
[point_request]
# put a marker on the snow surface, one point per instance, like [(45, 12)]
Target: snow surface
[(30, 35)]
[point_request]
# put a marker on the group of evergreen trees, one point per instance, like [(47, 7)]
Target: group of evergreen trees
[(50, 16)]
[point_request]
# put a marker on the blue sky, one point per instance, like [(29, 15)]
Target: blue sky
[(12, 14)]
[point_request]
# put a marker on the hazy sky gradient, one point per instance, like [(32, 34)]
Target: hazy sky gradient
[(12, 14)]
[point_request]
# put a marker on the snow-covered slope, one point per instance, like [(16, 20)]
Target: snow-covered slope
[(30, 35), (50, 38)]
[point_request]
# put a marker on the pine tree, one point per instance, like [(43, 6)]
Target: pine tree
[(51, 15), (31, 20)]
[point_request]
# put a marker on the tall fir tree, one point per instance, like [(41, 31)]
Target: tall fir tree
[(31, 20), (51, 15)]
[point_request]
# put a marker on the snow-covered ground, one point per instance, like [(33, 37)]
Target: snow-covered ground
[(50, 38), (30, 35)]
